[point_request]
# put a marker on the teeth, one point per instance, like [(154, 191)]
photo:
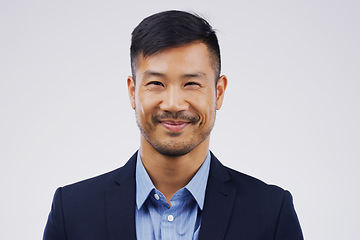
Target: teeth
[(174, 123)]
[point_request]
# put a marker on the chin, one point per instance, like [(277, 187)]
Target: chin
[(173, 152), (172, 149)]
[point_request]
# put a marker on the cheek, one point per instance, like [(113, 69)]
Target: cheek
[(205, 106), (139, 108), (145, 105)]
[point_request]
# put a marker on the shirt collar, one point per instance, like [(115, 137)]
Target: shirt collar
[(197, 185), (144, 184)]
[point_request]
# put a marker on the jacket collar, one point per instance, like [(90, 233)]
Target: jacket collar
[(121, 203), (219, 202)]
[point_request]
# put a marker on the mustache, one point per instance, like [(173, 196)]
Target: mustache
[(175, 116)]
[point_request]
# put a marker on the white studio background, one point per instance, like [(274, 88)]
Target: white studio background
[(290, 117)]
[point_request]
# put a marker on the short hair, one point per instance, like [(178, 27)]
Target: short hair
[(170, 29)]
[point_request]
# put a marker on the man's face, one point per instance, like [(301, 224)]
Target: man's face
[(175, 98)]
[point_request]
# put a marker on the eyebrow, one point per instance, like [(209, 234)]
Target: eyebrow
[(194, 75), (150, 73)]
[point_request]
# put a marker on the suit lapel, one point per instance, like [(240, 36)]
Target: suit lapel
[(120, 204), (219, 201), (121, 199)]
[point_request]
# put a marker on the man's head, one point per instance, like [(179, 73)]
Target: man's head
[(172, 29), (176, 64)]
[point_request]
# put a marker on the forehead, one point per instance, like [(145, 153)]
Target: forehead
[(193, 57)]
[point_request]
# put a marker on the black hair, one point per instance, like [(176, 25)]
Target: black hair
[(169, 29)]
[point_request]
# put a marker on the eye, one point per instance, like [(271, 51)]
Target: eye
[(192, 84), (155, 83)]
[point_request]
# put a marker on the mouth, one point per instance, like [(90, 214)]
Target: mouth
[(174, 125)]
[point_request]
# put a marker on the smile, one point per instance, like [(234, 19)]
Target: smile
[(174, 126)]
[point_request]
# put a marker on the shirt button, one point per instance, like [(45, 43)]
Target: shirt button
[(156, 196), (170, 218)]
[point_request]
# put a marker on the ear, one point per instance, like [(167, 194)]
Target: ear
[(220, 91), (131, 90)]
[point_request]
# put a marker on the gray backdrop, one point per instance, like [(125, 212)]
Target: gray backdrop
[(290, 116)]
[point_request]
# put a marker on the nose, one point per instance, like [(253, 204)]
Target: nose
[(173, 100)]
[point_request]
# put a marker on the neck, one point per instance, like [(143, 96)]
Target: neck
[(168, 173)]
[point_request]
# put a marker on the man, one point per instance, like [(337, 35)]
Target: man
[(173, 187)]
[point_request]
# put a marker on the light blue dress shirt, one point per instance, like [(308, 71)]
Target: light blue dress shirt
[(156, 220)]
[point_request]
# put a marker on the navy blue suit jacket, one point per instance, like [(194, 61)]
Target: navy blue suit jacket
[(236, 206)]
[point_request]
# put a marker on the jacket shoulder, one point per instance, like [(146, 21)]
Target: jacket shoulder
[(103, 181), (250, 191), (241, 181), (247, 182), (258, 210)]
